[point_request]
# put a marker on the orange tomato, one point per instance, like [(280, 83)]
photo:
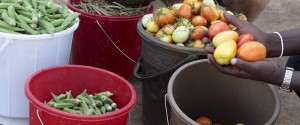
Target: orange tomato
[(196, 7), (216, 28), (252, 51), (198, 44), (210, 13), (199, 21), (204, 120), (163, 16), (244, 38), (185, 11), (197, 33)]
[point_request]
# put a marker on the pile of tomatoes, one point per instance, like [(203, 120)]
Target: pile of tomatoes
[(183, 24)]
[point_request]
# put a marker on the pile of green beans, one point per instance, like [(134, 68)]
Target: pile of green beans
[(35, 17), (84, 103)]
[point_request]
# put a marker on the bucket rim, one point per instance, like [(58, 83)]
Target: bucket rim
[(41, 36), (187, 119), (107, 116), (103, 17), (150, 39)]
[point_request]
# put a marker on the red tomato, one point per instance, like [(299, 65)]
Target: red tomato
[(210, 13), (204, 121), (163, 16), (185, 11), (244, 38), (197, 33), (216, 28), (199, 21), (196, 7)]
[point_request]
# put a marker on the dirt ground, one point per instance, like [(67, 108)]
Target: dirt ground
[(277, 16)]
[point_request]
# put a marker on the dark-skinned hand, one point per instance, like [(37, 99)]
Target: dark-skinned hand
[(266, 71)]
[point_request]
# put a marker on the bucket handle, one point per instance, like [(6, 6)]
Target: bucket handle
[(167, 115), (37, 113), (5, 44), (114, 42), (138, 68)]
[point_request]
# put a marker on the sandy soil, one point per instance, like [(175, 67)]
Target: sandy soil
[(277, 16)]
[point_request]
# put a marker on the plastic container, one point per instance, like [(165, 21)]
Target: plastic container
[(157, 63), (92, 47), (198, 89), (13, 121), (22, 55), (60, 79)]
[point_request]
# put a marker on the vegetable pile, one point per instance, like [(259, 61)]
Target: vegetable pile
[(183, 24), (101, 7), (34, 17), (84, 103), (203, 120)]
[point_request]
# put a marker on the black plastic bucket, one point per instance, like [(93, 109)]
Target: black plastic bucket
[(198, 89), (157, 63)]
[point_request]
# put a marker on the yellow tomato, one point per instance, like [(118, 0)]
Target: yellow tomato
[(225, 36), (225, 51), (152, 26)]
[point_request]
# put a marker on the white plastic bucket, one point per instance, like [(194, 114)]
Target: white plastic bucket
[(13, 121), (22, 55)]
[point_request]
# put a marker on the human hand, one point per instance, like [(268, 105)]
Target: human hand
[(266, 71)]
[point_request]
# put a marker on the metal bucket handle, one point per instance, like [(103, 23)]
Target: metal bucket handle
[(114, 42), (138, 68)]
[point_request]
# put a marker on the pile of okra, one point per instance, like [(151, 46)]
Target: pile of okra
[(35, 17), (84, 103)]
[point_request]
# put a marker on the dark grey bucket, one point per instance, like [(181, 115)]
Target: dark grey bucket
[(157, 63), (198, 89)]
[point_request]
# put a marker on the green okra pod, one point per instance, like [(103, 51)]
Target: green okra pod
[(97, 110), (70, 110), (56, 99), (108, 107), (89, 112), (47, 4), (63, 105), (106, 99), (113, 105), (69, 95), (61, 96), (54, 9), (7, 26), (33, 25), (99, 103), (67, 21), (34, 16), (48, 26), (73, 101), (24, 13), (11, 12), (34, 3), (90, 98), (57, 22), (82, 98), (51, 103), (42, 8), (106, 93), (8, 20), (27, 20), (103, 109), (84, 107), (15, 5)]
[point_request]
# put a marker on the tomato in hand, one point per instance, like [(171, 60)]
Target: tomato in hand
[(244, 38), (199, 21), (216, 28), (204, 121), (197, 33), (210, 13), (163, 16), (185, 11)]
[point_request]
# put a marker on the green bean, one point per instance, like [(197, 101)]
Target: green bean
[(7, 19)]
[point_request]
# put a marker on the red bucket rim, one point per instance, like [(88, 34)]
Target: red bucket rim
[(70, 5), (41, 106)]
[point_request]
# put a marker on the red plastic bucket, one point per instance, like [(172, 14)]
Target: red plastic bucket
[(92, 47), (60, 79)]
